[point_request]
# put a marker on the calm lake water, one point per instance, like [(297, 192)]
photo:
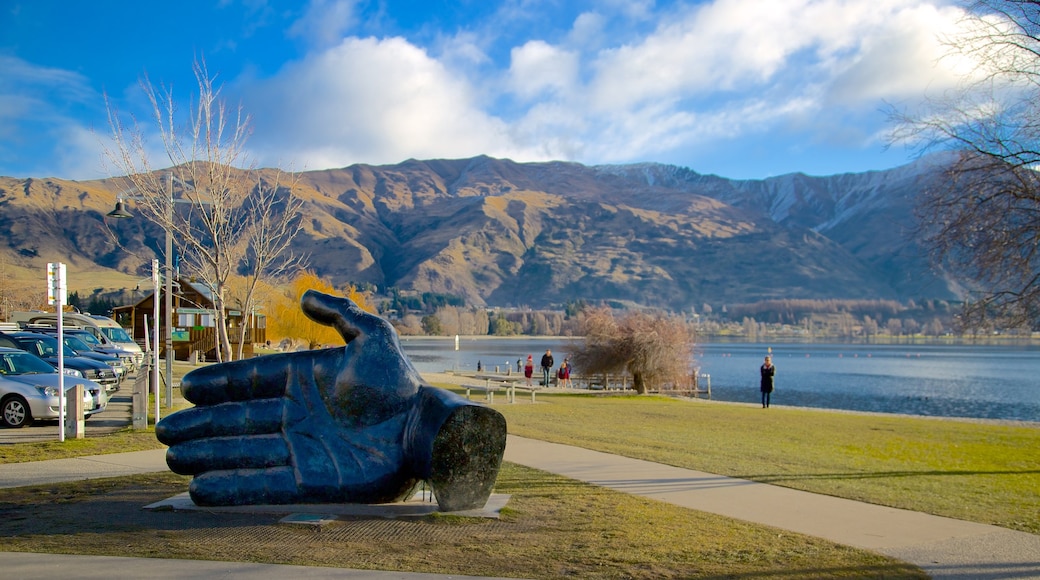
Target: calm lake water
[(986, 382)]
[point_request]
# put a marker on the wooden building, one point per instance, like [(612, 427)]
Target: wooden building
[(194, 327)]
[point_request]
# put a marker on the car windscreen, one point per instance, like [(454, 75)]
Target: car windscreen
[(48, 346), (88, 338), (23, 363), (116, 334), (76, 344)]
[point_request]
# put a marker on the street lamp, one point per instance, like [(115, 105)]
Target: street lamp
[(121, 212)]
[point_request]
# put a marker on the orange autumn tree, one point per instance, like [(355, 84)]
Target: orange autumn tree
[(289, 321)]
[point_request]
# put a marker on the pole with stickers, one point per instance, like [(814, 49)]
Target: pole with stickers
[(57, 295)]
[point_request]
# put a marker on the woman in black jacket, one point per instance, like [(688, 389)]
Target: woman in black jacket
[(766, 386)]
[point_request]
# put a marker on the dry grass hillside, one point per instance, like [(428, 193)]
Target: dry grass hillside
[(504, 233)]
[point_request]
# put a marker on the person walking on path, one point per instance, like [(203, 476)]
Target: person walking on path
[(547, 365), (529, 369), (766, 386)]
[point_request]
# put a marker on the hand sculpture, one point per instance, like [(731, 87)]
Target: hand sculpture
[(351, 424)]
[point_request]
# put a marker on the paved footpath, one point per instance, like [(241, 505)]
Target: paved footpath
[(945, 548)]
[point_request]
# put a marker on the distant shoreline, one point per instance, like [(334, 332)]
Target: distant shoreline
[(729, 339), (453, 379)]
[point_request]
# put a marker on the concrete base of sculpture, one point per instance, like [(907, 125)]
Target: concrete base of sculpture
[(420, 505)]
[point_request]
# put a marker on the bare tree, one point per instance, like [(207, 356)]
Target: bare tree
[(227, 220), (273, 222), (982, 223), (655, 348)]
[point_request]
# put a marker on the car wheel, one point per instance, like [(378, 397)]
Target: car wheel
[(14, 412)]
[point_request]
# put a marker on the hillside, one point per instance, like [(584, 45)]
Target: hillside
[(535, 234)]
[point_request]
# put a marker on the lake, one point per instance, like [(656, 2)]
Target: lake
[(985, 382)]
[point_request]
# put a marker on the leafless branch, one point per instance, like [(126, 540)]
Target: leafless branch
[(225, 220), (982, 223)]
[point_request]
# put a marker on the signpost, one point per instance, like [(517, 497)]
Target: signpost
[(57, 295)]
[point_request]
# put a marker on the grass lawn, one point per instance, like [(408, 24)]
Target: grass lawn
[(119, 442), (553, 527), (557, 527), (982, 472)]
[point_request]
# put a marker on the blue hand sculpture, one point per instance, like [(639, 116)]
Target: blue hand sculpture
[(351, 424)]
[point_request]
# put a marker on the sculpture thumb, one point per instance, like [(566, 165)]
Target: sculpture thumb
[(342, 314)]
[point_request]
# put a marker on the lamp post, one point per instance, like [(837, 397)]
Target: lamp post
[(156, 277), (121, 212)]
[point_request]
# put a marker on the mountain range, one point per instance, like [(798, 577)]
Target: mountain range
[(501, 233)]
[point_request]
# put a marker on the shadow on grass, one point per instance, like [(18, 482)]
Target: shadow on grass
[(558, 528)]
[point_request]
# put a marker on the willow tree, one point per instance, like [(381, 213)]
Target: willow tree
[(982, 221), (656, 349), (289, 321), (225, 217)]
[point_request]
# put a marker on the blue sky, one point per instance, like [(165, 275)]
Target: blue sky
[(739, 88)]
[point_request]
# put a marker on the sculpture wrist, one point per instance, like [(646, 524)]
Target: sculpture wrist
[(457, 446)]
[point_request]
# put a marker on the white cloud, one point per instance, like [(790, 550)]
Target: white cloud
[(39, 134), (612, 81), (463, 49), (721, 70), (588, 30), (81, 153), (373, 101), (901, 58), (325, 22), (734, 68), (537, 67), (728, 46)]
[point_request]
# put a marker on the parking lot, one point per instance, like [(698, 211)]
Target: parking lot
[(113, 418)]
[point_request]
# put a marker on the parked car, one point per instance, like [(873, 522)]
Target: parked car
[(29, 389), (107, 331), (129, 359), (80, 348), (46, 347)]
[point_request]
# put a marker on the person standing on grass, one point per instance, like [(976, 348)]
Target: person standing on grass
[(529, 369), (767, 371), (547, 365), (565, 374)]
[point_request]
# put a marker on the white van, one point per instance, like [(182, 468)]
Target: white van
[(114, 340)]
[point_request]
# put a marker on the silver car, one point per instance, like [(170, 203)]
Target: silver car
[(29, 389)]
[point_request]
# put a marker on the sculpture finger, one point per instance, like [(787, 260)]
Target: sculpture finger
[(242, 380), (373, 358), (245, 487), (227, 419), (343, 315), (223, 453)]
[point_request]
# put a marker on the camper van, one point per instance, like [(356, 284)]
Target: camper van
[(114, 340)]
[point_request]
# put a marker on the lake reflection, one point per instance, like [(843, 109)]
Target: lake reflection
[(990, 382)]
